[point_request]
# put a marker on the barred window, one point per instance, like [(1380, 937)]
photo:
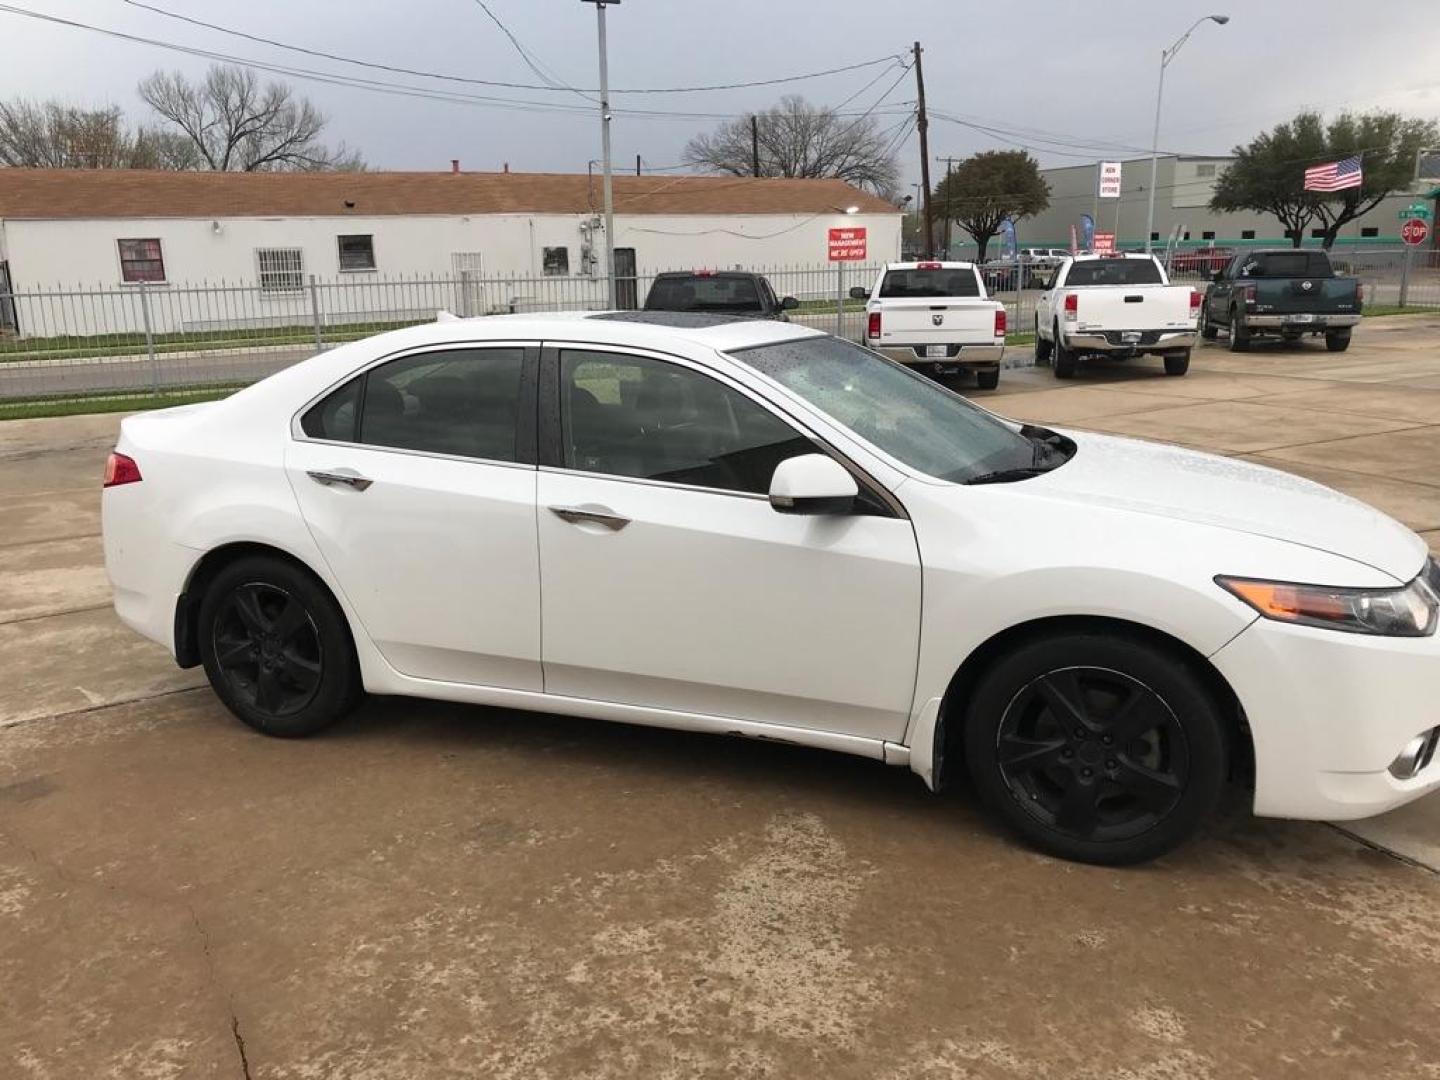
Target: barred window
[(1206, 170), (356, 252), (282, 270), (556, 261), (141, 260)]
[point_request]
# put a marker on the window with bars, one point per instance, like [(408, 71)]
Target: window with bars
[(141, 260), (356, 253), (556, 261), (1205, 171), (282, 270)]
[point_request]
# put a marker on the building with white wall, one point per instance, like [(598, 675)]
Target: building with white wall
[(270, 233)]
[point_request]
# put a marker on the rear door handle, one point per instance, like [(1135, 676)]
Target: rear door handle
[(575, 515), (348, 477)]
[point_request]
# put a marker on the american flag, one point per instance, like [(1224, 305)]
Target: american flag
[(1335, 176)]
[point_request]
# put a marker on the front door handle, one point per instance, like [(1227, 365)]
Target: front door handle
[(348, 477), (575, 515)]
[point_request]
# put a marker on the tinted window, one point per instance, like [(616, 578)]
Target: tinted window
[(704, 293), (904, 414), (632, 416), (1286, 264), (1114, 272), (460, 401), (899, 284), (334, 417)]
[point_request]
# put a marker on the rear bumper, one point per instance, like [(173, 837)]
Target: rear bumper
[(968, 356), (1289, 322), (1167, 339)]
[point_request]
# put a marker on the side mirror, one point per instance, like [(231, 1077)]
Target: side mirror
[(789, 303), (812, 484), (859, 292)]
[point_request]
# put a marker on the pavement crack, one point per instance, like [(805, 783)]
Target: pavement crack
[(240, 1046), (214, 981), (1383, 850)]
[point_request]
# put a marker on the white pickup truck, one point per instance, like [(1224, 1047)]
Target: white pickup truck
[(1114, 305), (935, 317)]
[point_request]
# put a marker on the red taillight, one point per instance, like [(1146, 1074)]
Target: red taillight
[(872, 327), (120, 469), (1359, 293), (1072, 307), (927, 266), (1247, 293), (1194, 302), (1000, 323)]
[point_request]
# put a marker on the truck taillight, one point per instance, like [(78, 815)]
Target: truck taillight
[(1072, 307), (1000, 323), (1359, 293), (120, 469), (1247, 294), (1194, 303), (872, 326), (927, 266)]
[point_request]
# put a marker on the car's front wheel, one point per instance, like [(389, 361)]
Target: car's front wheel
[(1098, 748), (276, 648)]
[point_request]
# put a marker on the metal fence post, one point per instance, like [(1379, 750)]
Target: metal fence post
[(149, 338), (466, 288), (315, 313), (1405, 276), (840, 299)]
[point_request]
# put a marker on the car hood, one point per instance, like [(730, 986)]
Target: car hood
[(1187, 485)]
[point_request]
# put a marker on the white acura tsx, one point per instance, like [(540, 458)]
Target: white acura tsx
[(751, 528)]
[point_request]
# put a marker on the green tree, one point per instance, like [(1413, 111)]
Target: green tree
[(1268, 174), (984, 190)]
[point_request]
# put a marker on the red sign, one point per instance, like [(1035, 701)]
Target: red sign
[(1104, 243), (847, 245), (1414, 232)]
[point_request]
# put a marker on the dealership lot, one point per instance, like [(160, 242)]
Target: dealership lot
[(438, 890)]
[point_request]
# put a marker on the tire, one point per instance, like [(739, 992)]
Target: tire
[(1177, 363), (1239, 336), (1064, 358), (277, 649), (987, 378), (1043, 348), (1208, 331), (1338, 340), (1059, 784)]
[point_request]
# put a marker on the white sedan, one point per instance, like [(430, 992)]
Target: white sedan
[(751, 528)]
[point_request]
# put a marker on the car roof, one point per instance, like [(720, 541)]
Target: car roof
[(708, 273), (930, 264), (1094, 257)]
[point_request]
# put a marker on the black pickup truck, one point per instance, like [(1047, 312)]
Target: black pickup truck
[(1286, 291), (727, 292)]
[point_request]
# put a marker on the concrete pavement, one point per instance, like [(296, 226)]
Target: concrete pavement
[(440, 891)]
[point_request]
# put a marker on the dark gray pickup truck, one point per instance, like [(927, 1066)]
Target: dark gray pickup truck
[(1286, 291)]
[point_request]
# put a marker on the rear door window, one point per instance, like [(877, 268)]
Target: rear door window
[(704, 293), (1114, 272), (1286, 264), (929, 284)]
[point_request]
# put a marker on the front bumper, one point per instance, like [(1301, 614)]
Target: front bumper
[(966, 356), (1329, 712), (1112, 341), (1289, 322)]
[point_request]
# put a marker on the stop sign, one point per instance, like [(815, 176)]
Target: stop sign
[(1414, 231)]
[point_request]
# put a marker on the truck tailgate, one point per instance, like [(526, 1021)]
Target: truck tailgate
[(938, 320), (1321, 296), (1133, 307)]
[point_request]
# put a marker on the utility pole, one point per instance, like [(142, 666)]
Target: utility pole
[(754, 146), (922, 124), (605, 146), (945, 227), (637, 164)]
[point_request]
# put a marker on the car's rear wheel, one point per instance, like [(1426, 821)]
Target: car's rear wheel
[(987, 378), (1064, 358), (1177, 363), (1239, 336), (1337, 340), (1043, 348), (1208, 330), (276, 648), (1097, 748)]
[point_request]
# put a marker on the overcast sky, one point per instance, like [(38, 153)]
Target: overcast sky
[(1079, 72)]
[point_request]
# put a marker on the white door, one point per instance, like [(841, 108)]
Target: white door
[(419, 488), (669, 581)]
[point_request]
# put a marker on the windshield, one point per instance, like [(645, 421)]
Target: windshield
[(904, 414), (928, 284), (704, 293), (1114, 272)]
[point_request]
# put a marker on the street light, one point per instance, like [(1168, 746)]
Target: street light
[(1165, 57), (605, 144)]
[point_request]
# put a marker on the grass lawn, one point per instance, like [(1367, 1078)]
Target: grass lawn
[(1410, 309), (34, 408)]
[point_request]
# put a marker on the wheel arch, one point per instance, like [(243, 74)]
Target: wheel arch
[(949, 726), (187, 604)]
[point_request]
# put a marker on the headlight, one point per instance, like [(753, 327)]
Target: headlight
[(1409, 611)]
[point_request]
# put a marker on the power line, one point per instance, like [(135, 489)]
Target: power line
[(532, 63), (549, 84)]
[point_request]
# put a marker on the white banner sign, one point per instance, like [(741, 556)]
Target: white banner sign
[(1109, 180)]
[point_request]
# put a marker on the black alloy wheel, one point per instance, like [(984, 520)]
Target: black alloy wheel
[(267, 648), (1093, 753)]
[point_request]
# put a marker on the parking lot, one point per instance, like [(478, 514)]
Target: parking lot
[(437, 890)]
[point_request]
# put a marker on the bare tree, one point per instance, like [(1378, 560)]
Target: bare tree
[(233, 123), (797, 139), (51, 135)]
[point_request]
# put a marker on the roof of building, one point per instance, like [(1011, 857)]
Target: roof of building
[(143, 193)]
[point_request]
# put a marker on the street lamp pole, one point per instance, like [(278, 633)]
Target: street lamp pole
[(1165, 57), (605, 153)]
